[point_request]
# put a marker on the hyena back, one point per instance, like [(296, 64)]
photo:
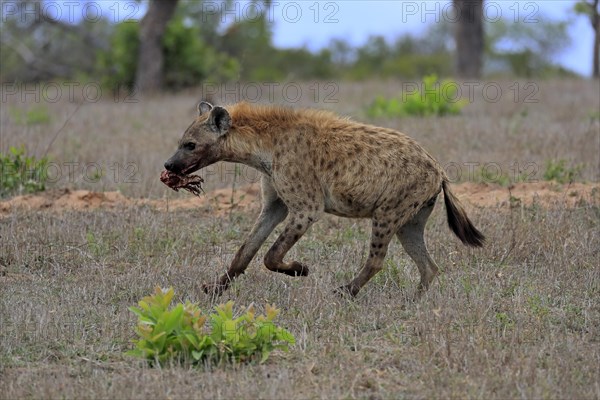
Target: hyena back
[(314, 162)]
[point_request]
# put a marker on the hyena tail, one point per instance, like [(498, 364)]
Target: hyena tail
[(460, 224)]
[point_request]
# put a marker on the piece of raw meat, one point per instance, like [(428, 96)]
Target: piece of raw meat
[(191, 183)]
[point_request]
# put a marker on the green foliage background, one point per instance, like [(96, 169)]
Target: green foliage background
[(199, 47)]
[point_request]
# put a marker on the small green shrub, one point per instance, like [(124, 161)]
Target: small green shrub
[(36, 115), (180, 333), (557, 170), (20, 173), (434, 98), (495, 175)]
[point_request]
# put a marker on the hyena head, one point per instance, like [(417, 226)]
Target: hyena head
[(202, 142)]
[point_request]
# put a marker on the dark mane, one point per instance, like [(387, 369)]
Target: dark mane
[(259, 118)]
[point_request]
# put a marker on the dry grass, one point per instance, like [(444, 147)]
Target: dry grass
[(518, 319), (129, 142)]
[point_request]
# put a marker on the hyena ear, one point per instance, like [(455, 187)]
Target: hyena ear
[(219, 120), (204, 107)]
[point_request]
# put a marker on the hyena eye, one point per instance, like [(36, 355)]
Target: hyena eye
[(189, 146)]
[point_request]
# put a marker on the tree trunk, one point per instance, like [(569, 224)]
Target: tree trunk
[(468, 34), (149, 73)]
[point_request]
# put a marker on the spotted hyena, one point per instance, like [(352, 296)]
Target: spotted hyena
[(314, 162)]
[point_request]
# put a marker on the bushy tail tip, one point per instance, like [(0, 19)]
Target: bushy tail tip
[(458, 221)]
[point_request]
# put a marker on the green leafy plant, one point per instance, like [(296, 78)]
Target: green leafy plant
[(183, 332), (20, 173), (434, 98), (557, 170)]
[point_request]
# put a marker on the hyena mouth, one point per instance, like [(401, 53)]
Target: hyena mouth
[(191, 183), (191, 169)]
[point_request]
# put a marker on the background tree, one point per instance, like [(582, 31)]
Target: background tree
[(36, 47), (590, 8), (469, 37), (150, 63)]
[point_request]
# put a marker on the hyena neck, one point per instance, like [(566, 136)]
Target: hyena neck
[(254, 132), (249, 150)]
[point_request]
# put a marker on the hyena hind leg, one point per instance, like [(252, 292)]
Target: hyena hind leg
[(381, 234), (411, 236)]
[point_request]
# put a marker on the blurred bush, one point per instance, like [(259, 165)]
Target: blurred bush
[(433, 98), (21, 173), (199, 46), (188, 60)]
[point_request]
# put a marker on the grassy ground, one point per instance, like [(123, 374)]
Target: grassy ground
[(518, 319), (122, 146)]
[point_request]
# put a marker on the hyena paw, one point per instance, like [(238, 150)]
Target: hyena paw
[(213, 289), (419, 293), (298, 269), (293, 269), (346, 291)]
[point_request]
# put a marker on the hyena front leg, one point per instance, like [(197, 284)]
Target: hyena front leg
[(381, 235), (273, 213), (298, 224)]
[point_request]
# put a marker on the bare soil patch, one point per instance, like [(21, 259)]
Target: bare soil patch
[(220, 201), (544, 194)]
